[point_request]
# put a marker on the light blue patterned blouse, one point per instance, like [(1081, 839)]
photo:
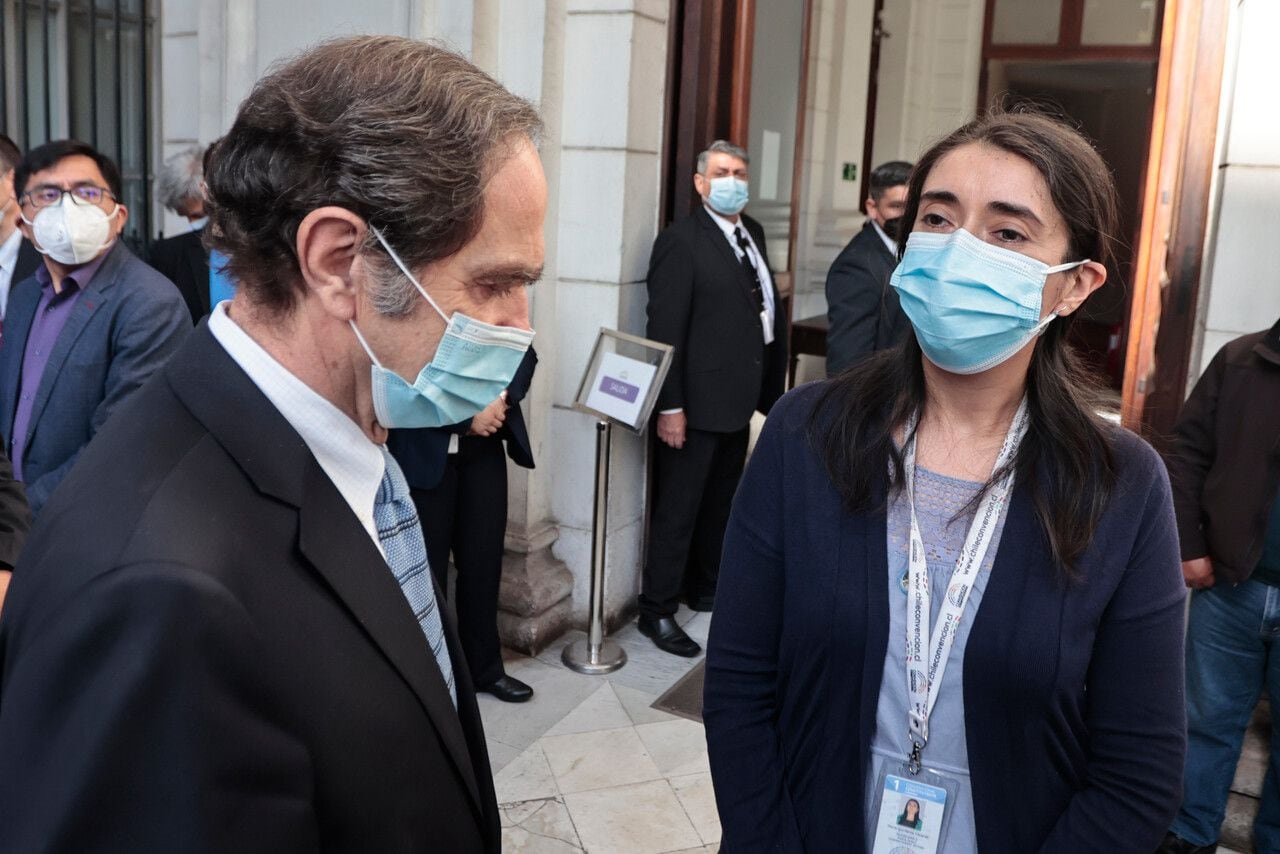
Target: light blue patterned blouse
[(938, 501)]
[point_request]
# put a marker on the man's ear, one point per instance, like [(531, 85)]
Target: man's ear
[(328, 245), (1081, 282)]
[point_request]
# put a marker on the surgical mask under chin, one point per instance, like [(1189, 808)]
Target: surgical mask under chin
[(972, 305), (728, 196), (72, 232), (473, 364)]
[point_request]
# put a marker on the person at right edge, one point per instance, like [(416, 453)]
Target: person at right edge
[(1225, 469), (712, 297), (946, 576)]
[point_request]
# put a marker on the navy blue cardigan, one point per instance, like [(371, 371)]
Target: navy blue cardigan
[(1073, 693)]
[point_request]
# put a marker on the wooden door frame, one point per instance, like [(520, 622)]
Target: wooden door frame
[(1168, 264)]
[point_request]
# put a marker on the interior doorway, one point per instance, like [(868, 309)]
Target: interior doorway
[(1111, 102)]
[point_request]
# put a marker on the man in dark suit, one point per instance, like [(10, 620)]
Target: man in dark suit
[(863, 313), (183, 258), (458, 479), (712, 297), (18, 258), (89, 328), (223, 635)]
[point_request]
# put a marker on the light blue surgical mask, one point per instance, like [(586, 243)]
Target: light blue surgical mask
[(473, 364), (972, 304), (728, 195)]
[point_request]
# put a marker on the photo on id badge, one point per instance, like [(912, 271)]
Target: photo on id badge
[(910, 819)]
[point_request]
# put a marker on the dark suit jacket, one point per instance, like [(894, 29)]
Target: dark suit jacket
[(15, 515), (421, 453), (863, 312), (184, 261), (128, 321), (29, 260), (1073, 693), (700, 302), (1225, 460), (203, 650)]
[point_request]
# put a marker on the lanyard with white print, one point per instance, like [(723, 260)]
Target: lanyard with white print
[(924, 677)]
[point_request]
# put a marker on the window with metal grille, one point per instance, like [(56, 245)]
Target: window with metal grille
[(79, 69)]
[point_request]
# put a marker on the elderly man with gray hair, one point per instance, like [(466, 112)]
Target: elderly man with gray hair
[(224, 634), (183, 258), (712, 297)]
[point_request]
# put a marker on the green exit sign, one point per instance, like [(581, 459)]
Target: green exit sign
[(850, 172)]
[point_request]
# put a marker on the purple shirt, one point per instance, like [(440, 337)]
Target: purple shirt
[(50, 319)]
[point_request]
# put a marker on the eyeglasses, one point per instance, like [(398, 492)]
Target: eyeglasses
[(85, 194)]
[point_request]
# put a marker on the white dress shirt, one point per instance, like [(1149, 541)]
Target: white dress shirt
[(350, 458), (8, 261)]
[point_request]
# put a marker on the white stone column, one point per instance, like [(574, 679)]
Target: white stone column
[(521, 43), (609, 176)]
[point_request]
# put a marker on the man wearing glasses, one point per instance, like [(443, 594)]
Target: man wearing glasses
[(92, 324)]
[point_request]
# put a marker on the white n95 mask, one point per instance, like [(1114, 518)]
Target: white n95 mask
[(72, 232)]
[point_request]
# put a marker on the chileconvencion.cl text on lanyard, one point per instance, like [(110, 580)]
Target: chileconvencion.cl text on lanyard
[(924, 677)]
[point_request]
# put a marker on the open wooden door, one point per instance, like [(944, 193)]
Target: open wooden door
[(1175, 213)]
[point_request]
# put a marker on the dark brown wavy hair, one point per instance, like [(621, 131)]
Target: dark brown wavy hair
[(1066, 458)]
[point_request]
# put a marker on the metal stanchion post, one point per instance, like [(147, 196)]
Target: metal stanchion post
[(597, 655)]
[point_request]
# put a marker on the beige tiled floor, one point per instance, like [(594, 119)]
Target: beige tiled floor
[(589, 766)]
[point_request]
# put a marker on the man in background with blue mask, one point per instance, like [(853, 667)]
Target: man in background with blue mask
[(231, 597), (712, 297)]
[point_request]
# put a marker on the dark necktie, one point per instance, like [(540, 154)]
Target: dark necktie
[(750, 267)]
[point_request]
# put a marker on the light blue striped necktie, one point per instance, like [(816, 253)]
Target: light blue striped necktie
[(400, 533)]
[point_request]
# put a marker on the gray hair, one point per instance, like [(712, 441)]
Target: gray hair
[(180, 177), (722, 146), (403, 133)]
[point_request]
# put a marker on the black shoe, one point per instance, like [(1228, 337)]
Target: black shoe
[(667, 636), (702, 603), (1174, 844), (509, 689)]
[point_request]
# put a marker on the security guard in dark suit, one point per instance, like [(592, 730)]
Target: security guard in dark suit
[(863, 314), (712, 297)]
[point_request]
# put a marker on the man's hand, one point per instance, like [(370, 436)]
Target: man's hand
[(5, 575), (1198, 573), (490, 419), (671, 429)]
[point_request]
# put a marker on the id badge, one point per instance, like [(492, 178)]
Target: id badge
[(767, 326), (912, 811)]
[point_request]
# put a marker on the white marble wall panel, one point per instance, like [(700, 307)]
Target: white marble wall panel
[(592, 200), (1246, 256), (656, 9), (596, 107), (1254, 137), (179, 16), (180, 75)]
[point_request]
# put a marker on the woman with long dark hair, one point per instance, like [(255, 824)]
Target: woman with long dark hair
[(958, 502)]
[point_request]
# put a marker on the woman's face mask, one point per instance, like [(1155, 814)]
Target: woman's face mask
[(473, 363), (972, 305)]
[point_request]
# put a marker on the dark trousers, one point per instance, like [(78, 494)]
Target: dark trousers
[(693, 490), (466, 515)]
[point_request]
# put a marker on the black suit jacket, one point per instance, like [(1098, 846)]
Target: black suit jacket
[(863, 312), (203, 650), (421, 453), (700, 302), (185, 262), (29, 260), (15, 515)]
